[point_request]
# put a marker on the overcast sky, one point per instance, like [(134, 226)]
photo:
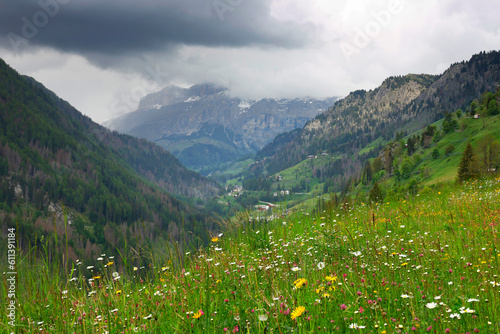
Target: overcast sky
[(102, 56)]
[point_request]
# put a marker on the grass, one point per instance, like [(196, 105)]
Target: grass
[(446, 166), (424, 264), (373, 145)]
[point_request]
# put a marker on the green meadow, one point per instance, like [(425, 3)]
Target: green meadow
[(422, 264)]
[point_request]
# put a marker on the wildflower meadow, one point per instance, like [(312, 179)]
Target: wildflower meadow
[(423, 264)]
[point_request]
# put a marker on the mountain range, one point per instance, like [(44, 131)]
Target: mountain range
[(204, 127), (121, 192)]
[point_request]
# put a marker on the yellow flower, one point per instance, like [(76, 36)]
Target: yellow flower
[(297, 312), (404, 264), (321, 288), (96, 277), (215, 239), (110, 263), (331, 278), (119, 292), (300, 282), (197, 315)]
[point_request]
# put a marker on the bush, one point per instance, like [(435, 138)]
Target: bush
[(449, 149), (406, 168), (435, 154), (493, 108)]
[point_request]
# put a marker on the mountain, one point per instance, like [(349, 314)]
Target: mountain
[(118, 190), (398, 106), (204, 127)]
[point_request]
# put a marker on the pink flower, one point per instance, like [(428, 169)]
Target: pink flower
[(236, 329), (361, 309), (429, 328), (343, 307)]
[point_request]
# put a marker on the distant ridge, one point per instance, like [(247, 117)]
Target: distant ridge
[(204, 127)]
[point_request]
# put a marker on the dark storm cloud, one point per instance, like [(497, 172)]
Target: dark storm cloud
[(117, 27)]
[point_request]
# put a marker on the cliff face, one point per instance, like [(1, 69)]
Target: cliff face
[(204, 127)]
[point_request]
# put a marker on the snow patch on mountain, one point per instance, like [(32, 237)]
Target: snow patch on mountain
[(192, 99)]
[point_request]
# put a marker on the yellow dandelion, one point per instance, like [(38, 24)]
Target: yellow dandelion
[(96, 277), (300, 282), (215, 239), (404, 264), (197, 315), (110, 263), (297, 312), (119, 292)]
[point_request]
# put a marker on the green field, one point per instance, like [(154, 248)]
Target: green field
[(427, 264)]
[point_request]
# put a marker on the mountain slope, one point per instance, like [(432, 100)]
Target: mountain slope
[(203, 126), (50, 154), (400, 104)]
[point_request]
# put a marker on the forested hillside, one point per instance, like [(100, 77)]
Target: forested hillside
[(115, 188), (399, 106)]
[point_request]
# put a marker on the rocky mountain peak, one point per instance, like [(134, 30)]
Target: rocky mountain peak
[(172, 94)]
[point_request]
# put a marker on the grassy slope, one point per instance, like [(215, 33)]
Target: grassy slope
[(414, 266), (445, 167)]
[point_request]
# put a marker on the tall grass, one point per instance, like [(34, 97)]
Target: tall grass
[(425, 264)]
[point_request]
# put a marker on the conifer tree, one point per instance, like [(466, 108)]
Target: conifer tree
[(367, 172), (375, 195), (466, 168)]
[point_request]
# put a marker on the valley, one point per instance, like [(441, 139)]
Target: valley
[(378, 215)]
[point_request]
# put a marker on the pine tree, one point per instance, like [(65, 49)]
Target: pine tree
[(466, 168), (367, 172), (375, 195)]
